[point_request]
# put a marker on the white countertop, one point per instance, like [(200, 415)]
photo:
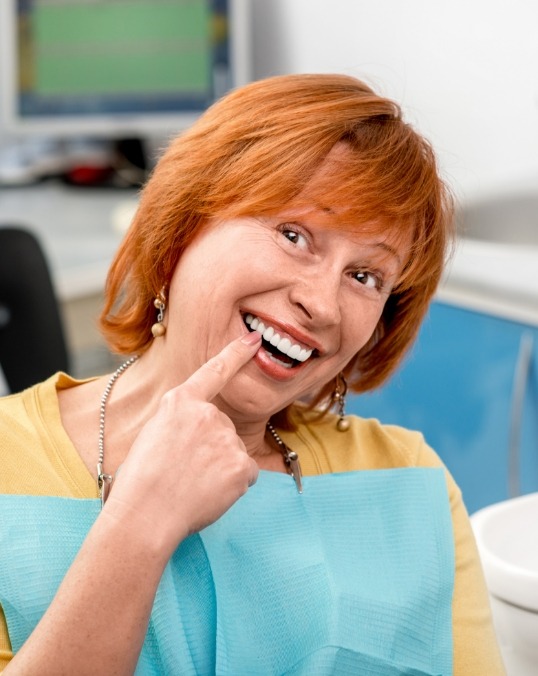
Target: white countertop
[(498, 279), (80, 229)]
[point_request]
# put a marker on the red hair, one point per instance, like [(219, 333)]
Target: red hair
[(255, 152)]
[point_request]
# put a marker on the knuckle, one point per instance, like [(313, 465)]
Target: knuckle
[(168, 398), (244, 465), (168, 402), (207, 413)]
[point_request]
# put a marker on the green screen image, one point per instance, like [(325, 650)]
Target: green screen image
[(120, 47)]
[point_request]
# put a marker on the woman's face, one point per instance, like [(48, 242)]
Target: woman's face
[(318, 290)]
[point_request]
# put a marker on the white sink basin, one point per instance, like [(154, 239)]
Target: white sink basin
[(507, 538)]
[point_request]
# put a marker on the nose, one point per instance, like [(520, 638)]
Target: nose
[(317, 297)]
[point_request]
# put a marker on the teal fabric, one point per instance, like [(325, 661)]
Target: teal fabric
[(354, 576)]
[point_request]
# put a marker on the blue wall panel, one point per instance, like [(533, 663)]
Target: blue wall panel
[(456, 388)]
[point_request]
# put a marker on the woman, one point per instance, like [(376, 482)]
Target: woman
[(287, 244)]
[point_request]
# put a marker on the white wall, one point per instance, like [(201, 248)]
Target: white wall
[(465, 71)]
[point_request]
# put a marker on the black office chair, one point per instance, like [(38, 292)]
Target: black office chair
[(32, 340)]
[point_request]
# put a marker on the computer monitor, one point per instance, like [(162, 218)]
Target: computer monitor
[(118, 68)]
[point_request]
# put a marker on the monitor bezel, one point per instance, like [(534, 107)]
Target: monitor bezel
[(117, 125)]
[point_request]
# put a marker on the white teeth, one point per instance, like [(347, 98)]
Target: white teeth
[(294, 351), (284, 345), (285, 364), (304, 355)]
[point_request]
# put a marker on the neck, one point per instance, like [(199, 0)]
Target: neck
[(145, 391), (254, 436), (261, 443)]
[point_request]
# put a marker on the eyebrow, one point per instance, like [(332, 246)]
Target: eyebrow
[(383, 245), (390, 249)]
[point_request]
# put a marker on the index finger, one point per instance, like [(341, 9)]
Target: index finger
[(212, 376)]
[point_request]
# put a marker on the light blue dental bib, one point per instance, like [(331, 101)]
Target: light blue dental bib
[(354, 576)]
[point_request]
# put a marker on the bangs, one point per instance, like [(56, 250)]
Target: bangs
[(381, 179)]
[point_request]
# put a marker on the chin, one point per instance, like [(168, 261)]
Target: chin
[(247, 400)]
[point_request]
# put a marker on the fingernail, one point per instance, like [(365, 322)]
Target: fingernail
[(251, 338)]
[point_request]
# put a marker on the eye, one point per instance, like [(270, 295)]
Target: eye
[(368, 279), (294, 235)]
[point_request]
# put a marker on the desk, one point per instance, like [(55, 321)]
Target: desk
[(79, 230), (76, 227)]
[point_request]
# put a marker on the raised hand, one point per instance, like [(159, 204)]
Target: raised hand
[(187, 466)]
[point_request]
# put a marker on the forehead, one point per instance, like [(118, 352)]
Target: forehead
[(343, 194)]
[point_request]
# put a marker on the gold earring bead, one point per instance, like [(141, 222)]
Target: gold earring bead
[(342, 425), (339, 398), (158, 330)]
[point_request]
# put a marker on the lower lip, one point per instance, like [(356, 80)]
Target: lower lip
[(273, 369)]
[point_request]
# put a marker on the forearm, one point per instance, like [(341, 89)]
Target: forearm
[(187, 454), (98, 619)]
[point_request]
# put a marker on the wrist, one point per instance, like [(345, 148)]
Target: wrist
[(139, 531)]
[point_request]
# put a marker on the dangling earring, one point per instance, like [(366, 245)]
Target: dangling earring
[(159, 329), (339, 398)]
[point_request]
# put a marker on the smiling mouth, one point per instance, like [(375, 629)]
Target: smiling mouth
[(279, 349)]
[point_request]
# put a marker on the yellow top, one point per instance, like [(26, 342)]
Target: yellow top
[(38, 458)]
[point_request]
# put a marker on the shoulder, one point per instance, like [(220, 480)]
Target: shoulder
[(19, 412), (16, 420), (367, 444), (32, 440)]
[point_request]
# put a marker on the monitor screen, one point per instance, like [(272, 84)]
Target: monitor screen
[(118, 67)]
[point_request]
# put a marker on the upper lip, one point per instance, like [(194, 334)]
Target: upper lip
[(287, 331)]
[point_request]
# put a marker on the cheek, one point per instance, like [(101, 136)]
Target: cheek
[(360, 326)]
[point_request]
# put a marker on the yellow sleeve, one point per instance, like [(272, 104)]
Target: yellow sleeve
[(5, 644), (476, 650)]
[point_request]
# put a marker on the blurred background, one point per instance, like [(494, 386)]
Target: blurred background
[(78, 136)]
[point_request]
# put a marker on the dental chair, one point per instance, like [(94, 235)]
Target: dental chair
[(32, 339)]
